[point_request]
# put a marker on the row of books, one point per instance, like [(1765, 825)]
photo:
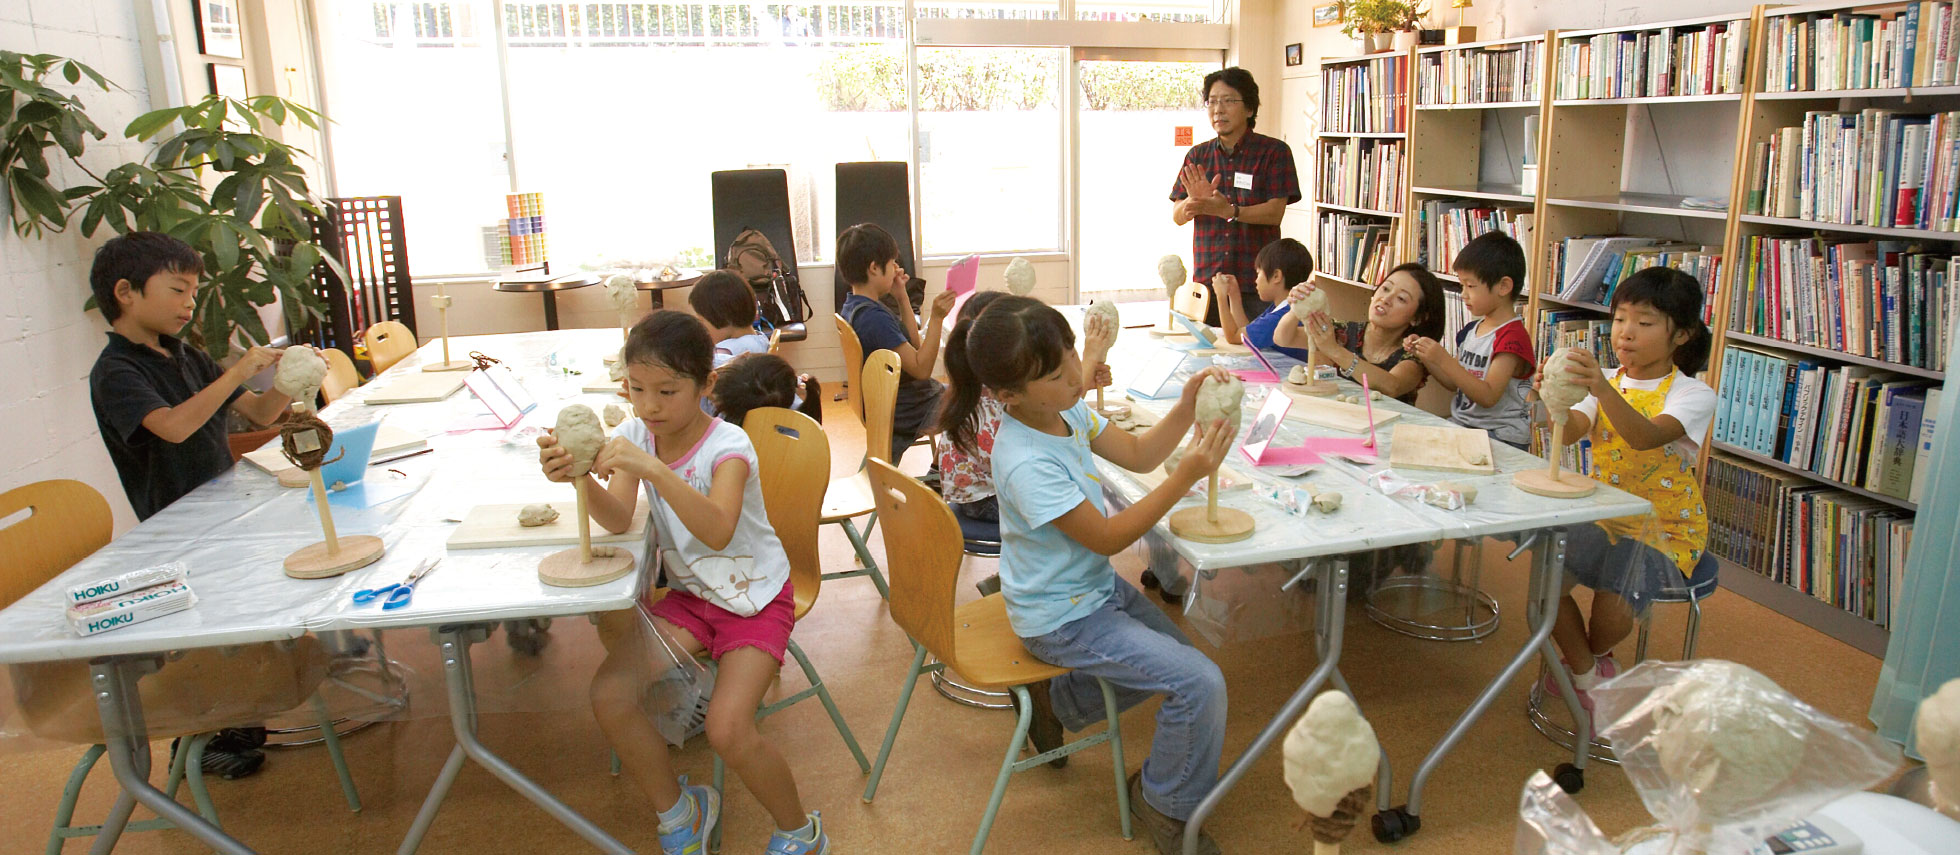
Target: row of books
[(1574, 457), (1355, 247), (1455, 316), (1701, 60), (1869, 168), (1890, 48), (1361, 173), (1493, 75), (1365, 97), (1445, 225), (1588, 269), (1843, 549), (1852, 425), (1565, 328), (1887, 300)]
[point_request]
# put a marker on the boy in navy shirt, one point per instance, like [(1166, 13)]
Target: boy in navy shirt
[(867, 258)]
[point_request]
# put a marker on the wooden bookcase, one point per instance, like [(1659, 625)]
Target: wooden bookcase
[(1394, 107)]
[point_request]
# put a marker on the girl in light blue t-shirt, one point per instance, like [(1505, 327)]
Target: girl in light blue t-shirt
[(1064, 599)]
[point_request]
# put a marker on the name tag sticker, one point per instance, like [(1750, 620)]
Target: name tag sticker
[(1242, 180)]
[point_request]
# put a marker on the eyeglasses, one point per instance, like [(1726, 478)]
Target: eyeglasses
[(1223, 102)]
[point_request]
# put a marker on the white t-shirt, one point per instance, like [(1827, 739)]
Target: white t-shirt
[(751, 570), (740, 345), (1689, 401)]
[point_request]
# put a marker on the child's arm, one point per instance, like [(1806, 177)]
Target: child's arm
[(918, 361), (1231, 307), (710, 518), (1642, 433), (178, 423), (1147, 452), (1407, 375), (1110, 535), (1288, 333), (1483, 391), (1097, 336), (264, 408), (610, 504)]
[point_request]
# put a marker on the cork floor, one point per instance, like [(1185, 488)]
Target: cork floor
[(940, 774)]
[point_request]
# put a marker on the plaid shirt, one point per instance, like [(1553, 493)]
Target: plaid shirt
[(1224, 246)]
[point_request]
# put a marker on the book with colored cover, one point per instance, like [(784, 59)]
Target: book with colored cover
[(1925, 450)]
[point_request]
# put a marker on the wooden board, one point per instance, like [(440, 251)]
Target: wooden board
[(1327, 412), (607, 387), (562, 569), (451, 365), (314, 562), (495, 527), (1196, 524), (387, 439), (1228, 478), (418, 388), (1448, 449)]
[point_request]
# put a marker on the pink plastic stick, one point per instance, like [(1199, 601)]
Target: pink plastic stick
[(1368, 397)]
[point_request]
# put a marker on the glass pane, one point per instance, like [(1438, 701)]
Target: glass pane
[(444, 156), (1030, 10), (1173, 11), (990, 149), (1137, 121), (623, 110)]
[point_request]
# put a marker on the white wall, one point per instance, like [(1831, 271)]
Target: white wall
[(47, 344)]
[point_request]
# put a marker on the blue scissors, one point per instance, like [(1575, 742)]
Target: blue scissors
[(397, 594)]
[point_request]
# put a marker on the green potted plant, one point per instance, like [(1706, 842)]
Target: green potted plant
[(236, 195), (1371, 23)]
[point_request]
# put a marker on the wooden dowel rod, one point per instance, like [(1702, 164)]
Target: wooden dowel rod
[(584, 525), (326, 516)]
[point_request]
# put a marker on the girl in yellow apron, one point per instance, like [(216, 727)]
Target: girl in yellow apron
[(1646, 420)]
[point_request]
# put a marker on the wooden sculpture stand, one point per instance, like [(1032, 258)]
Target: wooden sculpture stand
[(1330, 831), (441, 303), (1314, 385), (1211, 523), (584, 566), (1110, 411), (1550, 482), (334, 555)]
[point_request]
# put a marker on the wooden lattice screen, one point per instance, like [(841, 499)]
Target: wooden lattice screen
[(369, 238)]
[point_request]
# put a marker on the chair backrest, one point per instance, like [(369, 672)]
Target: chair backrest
[(880, 403), (1192, 299), (775, 341), (753, 199), (66, 522), (922, 557), (794, 456), (388, 342), (877, 192), (847, 339), (341, 375), (369, 236)]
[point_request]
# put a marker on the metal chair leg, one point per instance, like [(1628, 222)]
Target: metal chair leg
[(898, 717), (1640, 640), (332, 738), (1115, 718), (829, 706), (1694, 629), (1021, 724)]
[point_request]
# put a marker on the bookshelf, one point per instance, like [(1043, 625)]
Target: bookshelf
[(1361, 169)]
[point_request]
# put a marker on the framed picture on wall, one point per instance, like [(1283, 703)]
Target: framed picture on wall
[(217, 28), (228, 81), (1293, 54), (1327, 16)]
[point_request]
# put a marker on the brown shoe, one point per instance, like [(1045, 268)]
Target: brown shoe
[(1044, 729), (1167, 833)]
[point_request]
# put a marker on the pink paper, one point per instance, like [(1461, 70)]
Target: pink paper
[(961, 276), (1254, 375)]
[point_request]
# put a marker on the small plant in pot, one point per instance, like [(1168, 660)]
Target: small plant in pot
[(1372, 23)]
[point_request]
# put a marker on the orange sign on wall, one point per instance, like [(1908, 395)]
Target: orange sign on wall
[(1181, 135)]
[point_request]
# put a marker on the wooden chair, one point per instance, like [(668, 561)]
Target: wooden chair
[(66, 522), (974, 638), (880, 379), (847, 339), (1191, 301), (341, 377), (849, 497), (389, 342), (775, 342)]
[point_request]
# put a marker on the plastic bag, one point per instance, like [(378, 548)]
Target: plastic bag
[(1551, 823), (1446, 495), (678, 697)]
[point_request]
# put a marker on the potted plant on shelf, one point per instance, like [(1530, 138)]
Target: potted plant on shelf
[(236, 195), (1374, 24)]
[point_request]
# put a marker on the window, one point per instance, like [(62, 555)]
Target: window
[(1130, 151), (1166, 11), (990, 149)]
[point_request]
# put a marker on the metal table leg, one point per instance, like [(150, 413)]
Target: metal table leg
[(550, 310), (1541, 612), (455, 642), (126, 738), (1331, 602)]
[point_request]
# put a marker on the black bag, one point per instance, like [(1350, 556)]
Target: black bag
[(779, 295)]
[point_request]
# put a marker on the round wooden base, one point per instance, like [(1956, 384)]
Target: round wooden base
[(1316, 388), (1114, 411), (1195, 524), (451, 365), (610, 358), (315, 562), (1568, 485), (562, 568), (1165, 331), (293, 478)]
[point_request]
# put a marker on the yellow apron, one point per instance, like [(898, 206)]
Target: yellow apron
[(1659, 475)]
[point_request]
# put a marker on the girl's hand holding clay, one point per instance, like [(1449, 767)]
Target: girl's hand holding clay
[(621, 455), (554, 459)]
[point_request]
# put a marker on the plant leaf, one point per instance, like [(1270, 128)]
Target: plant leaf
[(147, 125)]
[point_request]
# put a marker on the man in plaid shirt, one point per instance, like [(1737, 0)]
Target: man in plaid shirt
[(1235, 188)]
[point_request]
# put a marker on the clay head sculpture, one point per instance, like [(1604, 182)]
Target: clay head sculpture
[(579, 432), (1937, 727), (623, 292), (1299, 308), (1020, 277), (1221, 400), (300, 371), (1713, 728), (1330, 752), (1558, 389), (1107, 310), (1171, 272)]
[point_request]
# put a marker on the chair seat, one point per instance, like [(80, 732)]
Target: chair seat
[(1697, 586), (847, 497), (982, 538), (991, 656), (794, 332)]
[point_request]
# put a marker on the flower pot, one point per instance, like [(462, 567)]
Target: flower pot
[(1378, 42), (1403, 40)]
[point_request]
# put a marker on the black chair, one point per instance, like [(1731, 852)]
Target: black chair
[(757, 199), (879, 192)]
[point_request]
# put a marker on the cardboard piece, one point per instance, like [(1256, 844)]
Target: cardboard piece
[(1330, 413), (495, 527), (419, 388), (1445, 449)]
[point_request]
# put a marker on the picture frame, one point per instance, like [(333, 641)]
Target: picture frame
[(1327, 15), (218, 31), (228, 81), (1293, 55)]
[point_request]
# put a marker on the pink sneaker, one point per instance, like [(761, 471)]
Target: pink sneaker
[(1605, 667)]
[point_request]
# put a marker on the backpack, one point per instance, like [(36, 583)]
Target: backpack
[(779, 295)]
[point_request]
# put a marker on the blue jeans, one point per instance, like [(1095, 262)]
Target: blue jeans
[(1132, 644)]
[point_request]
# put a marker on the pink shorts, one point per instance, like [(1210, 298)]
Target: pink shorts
[(720, 630)]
